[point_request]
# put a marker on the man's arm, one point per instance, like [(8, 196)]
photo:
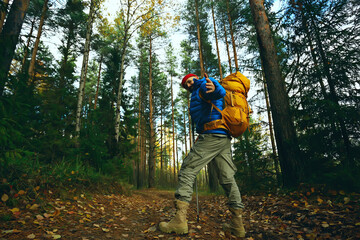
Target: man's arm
[(211, 89)]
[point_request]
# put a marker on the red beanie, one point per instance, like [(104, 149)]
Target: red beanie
[(186, 77)]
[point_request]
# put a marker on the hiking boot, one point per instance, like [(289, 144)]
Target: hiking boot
[(236, 226), (179, 223)]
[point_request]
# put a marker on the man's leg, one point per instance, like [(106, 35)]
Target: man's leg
[(205, 149), (227, 171)]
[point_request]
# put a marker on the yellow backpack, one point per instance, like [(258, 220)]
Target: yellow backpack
[(235, 115)]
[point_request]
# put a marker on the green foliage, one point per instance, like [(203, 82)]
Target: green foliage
[(254, 161), (323, 90)]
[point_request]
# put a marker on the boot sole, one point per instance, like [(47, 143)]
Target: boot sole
[(233, 231), (177, 231)]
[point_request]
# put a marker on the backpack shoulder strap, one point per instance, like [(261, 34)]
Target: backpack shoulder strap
[(208, 101)]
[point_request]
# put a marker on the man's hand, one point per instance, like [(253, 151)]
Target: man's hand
[(209, 84)]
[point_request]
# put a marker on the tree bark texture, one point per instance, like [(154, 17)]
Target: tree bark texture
[(26, 50), (9, 38), (216, 41), (37, 41), (272, 139), (190, 123), (232, 36), (227, 47), (3, 15), (285, 134), (151, 164), (186, 151), (173, 126), (98, 82), (84, 66), (139, 136), (199, 39)]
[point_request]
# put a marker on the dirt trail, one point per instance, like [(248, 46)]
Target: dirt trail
[(137, 216)]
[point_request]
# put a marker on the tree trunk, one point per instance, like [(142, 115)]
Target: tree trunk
[(26, 50), (177, 156), (285, 135), (84, 66), (185, 134), (151, 122), (37, 41), (227, 46), (161, 143), (232, 36), (276, 162), (3, 15), (98, 83), (143, 149), (139, 137), (348, 161), (191, 139), (9, 38), (173, 126), (121, 79), (199, 39), (119, 96), (216, 41)]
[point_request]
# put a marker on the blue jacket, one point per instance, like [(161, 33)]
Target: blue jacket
[(201, 111)]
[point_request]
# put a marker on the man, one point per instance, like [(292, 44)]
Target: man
[(212, 145)]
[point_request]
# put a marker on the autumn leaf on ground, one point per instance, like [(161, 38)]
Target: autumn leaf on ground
[(4, 197)]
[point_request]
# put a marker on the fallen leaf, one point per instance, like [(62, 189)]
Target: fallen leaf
[(21, 192), (4, 197), (105, 229), (346, 200), (34, 206), (56, 236), (31, 236), (39, 217), (325, 225), (14, 210)]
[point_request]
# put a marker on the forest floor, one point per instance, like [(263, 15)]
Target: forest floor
[(295, 215)]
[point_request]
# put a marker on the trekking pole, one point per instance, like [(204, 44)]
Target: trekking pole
[(196, 188)]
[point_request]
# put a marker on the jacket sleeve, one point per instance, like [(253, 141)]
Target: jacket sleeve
[(217, 94)]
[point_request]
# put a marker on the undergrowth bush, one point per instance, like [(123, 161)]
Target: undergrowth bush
[(24, 172)]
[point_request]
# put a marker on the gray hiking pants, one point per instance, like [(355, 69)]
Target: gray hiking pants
[(216, 147)]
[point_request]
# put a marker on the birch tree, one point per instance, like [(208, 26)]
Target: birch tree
[(94, 4), (135, 13)]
